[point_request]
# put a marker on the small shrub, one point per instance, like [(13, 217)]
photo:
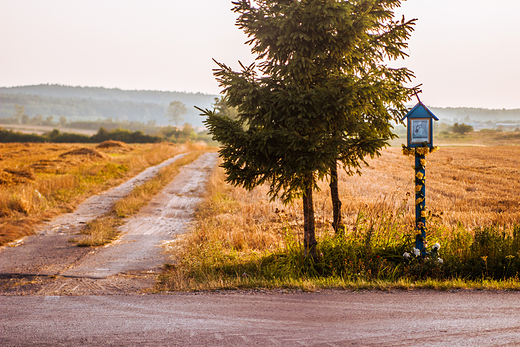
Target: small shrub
[(461, 129)]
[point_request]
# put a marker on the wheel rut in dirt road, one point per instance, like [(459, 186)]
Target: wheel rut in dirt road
[(100, 204), (168, 214), (48, 263)]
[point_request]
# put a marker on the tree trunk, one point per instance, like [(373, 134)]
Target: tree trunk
[(336, 202), (309, 235)]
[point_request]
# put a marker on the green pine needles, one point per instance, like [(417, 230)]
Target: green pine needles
[(319, 94)]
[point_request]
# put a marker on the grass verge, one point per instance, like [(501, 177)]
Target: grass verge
[(104, 230), (243, 242)]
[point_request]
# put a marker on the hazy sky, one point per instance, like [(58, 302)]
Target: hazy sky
[(464, 52)]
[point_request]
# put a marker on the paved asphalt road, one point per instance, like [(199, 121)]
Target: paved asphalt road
[(417, 318)]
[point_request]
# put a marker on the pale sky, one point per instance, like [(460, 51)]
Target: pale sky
[(466, 53)]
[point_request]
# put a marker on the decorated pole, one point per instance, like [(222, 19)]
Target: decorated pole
[(420, 198), (420, 143)]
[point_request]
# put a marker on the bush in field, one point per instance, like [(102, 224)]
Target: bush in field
[(461, 128), (123, 135), (57, 137), (183, 134)]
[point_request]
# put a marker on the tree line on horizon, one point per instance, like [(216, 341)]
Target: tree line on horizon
[(143, 106), (81, 104), (168, 133)]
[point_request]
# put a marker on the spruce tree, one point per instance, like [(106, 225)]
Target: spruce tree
[(318, 94)]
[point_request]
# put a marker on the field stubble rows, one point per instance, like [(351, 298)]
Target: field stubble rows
[(475, 186), (471, 186)]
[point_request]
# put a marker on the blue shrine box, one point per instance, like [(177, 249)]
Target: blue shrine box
[(420, 127)]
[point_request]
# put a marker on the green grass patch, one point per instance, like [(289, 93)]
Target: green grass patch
[(100, 231), (490, 260)]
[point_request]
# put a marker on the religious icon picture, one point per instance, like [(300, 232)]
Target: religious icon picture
[(420, 130)]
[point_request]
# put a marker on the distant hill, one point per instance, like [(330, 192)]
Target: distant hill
[(469, 114), (92, 103)]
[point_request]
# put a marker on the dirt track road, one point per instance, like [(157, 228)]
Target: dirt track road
[(422, 318), (48, 264), (138, 249)]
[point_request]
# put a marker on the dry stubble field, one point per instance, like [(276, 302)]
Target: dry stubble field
[(467, 187), (476, 186), (38, 181)]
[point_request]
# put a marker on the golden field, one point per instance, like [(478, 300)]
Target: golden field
[(475, 186), (38, 181), (466, 187)]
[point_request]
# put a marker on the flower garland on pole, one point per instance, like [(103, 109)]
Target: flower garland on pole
[(420, 192)]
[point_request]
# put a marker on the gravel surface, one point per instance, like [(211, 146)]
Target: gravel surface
[(418, 318)]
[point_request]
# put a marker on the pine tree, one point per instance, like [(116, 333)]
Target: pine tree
[(319, 94)]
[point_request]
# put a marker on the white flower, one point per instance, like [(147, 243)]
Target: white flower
[(440, 261), (416, 251), (39, 195), (436, 246), (406, 255)]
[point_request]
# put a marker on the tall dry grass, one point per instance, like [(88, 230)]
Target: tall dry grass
[(37, 181)]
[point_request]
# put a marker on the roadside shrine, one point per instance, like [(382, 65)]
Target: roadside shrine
[(419, 143)]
